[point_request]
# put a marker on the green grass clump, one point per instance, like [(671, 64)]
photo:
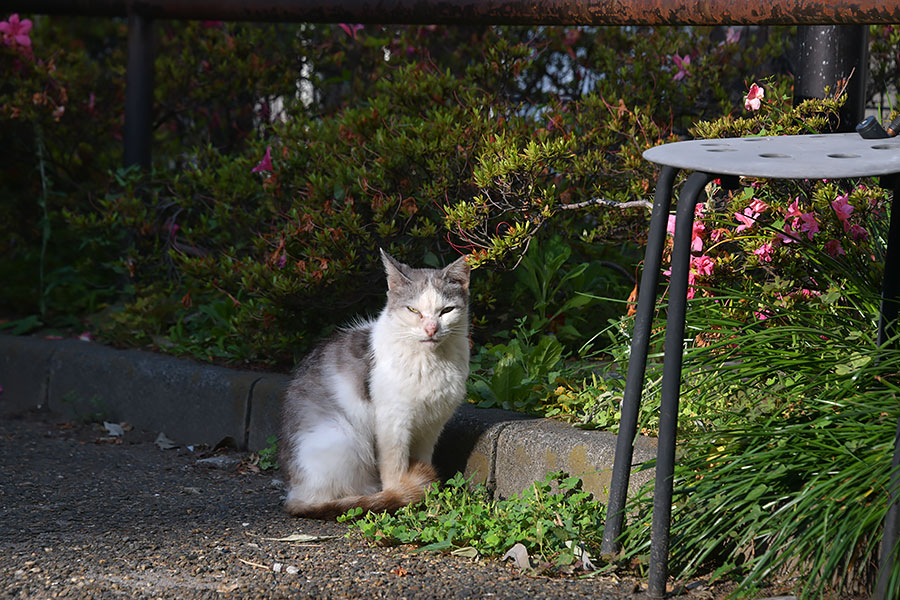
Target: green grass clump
[(554, 519)]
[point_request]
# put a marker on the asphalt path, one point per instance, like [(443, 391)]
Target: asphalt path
[(87, 514)]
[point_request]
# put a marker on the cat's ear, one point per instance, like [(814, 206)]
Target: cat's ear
[(395, 270), (458, 272)]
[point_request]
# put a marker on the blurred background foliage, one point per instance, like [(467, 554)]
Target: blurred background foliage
[(427, 141)]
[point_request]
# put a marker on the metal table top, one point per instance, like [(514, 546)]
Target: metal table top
[(825, 156)]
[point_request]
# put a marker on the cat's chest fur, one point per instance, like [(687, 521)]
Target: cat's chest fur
[(426, 383)]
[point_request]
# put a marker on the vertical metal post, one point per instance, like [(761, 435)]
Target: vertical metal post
[(138, 130), (671, 384), (828, 54), (890, 290), (887, 328), (637, 362)]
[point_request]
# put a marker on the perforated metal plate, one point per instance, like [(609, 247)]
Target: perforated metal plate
[(830, 156)]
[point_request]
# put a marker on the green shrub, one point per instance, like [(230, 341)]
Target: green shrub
[(554, 519)]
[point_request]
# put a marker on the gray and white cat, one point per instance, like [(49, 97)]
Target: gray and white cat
[(365, 408)]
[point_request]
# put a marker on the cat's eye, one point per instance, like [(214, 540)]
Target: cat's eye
[(412, 310), (446, 310)]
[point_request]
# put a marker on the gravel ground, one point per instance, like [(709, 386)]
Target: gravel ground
[(85, 515)]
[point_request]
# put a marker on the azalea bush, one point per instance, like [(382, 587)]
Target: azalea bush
[(256, 231)]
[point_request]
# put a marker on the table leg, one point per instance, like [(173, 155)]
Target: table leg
[(890, 290), (637, 361), (887, 328), (671, 383)]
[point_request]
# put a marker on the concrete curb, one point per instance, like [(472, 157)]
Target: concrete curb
[(195, 403)]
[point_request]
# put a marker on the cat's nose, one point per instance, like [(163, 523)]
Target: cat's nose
[(431, 328)]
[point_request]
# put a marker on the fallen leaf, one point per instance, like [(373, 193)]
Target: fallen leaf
[(114, 429), (302, 538), (466, 552), (399, 571), (164, 443), (253, 564), (519, 554), (583, 555)]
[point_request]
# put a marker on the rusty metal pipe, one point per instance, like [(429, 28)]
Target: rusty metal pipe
[(509, 12)]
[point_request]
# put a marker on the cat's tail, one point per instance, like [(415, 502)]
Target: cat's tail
[(408, 490)]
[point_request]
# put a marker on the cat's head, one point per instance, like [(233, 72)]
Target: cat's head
[(428, 305)]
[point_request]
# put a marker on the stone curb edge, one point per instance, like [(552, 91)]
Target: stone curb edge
[(196, 403)]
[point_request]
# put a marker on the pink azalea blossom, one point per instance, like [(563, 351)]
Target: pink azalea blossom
[(682, 63), (696, 239), (746, 218), (15, 31), (758, 205), (843, 209), (753, 99), (794, 209), (718, 235), (786, 237), (703, 265), (732, 35), (266, 163), (858, 233), (764, 252), (833, 248), (809, 225), (350, 30), (697, 230), (762, 315)]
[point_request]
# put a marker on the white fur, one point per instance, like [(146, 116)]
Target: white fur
[(417, 381), (416, 384)]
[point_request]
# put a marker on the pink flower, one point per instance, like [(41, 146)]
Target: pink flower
[(15, 31), (786, 237), (266, 163), (858, 233), (753, 99), (833, 248), (682, 63), (697, 230), (809, 225), (746, 218), (764, 252), (718, 235), (842, 208), (732, 35), (696, 239), (758, 205), (703, 265), (762, 315), (350, 29), (794, 209)]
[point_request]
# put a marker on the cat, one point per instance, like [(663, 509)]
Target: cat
[(364, 410)]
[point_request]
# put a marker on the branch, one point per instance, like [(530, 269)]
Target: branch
[(604, 202)]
